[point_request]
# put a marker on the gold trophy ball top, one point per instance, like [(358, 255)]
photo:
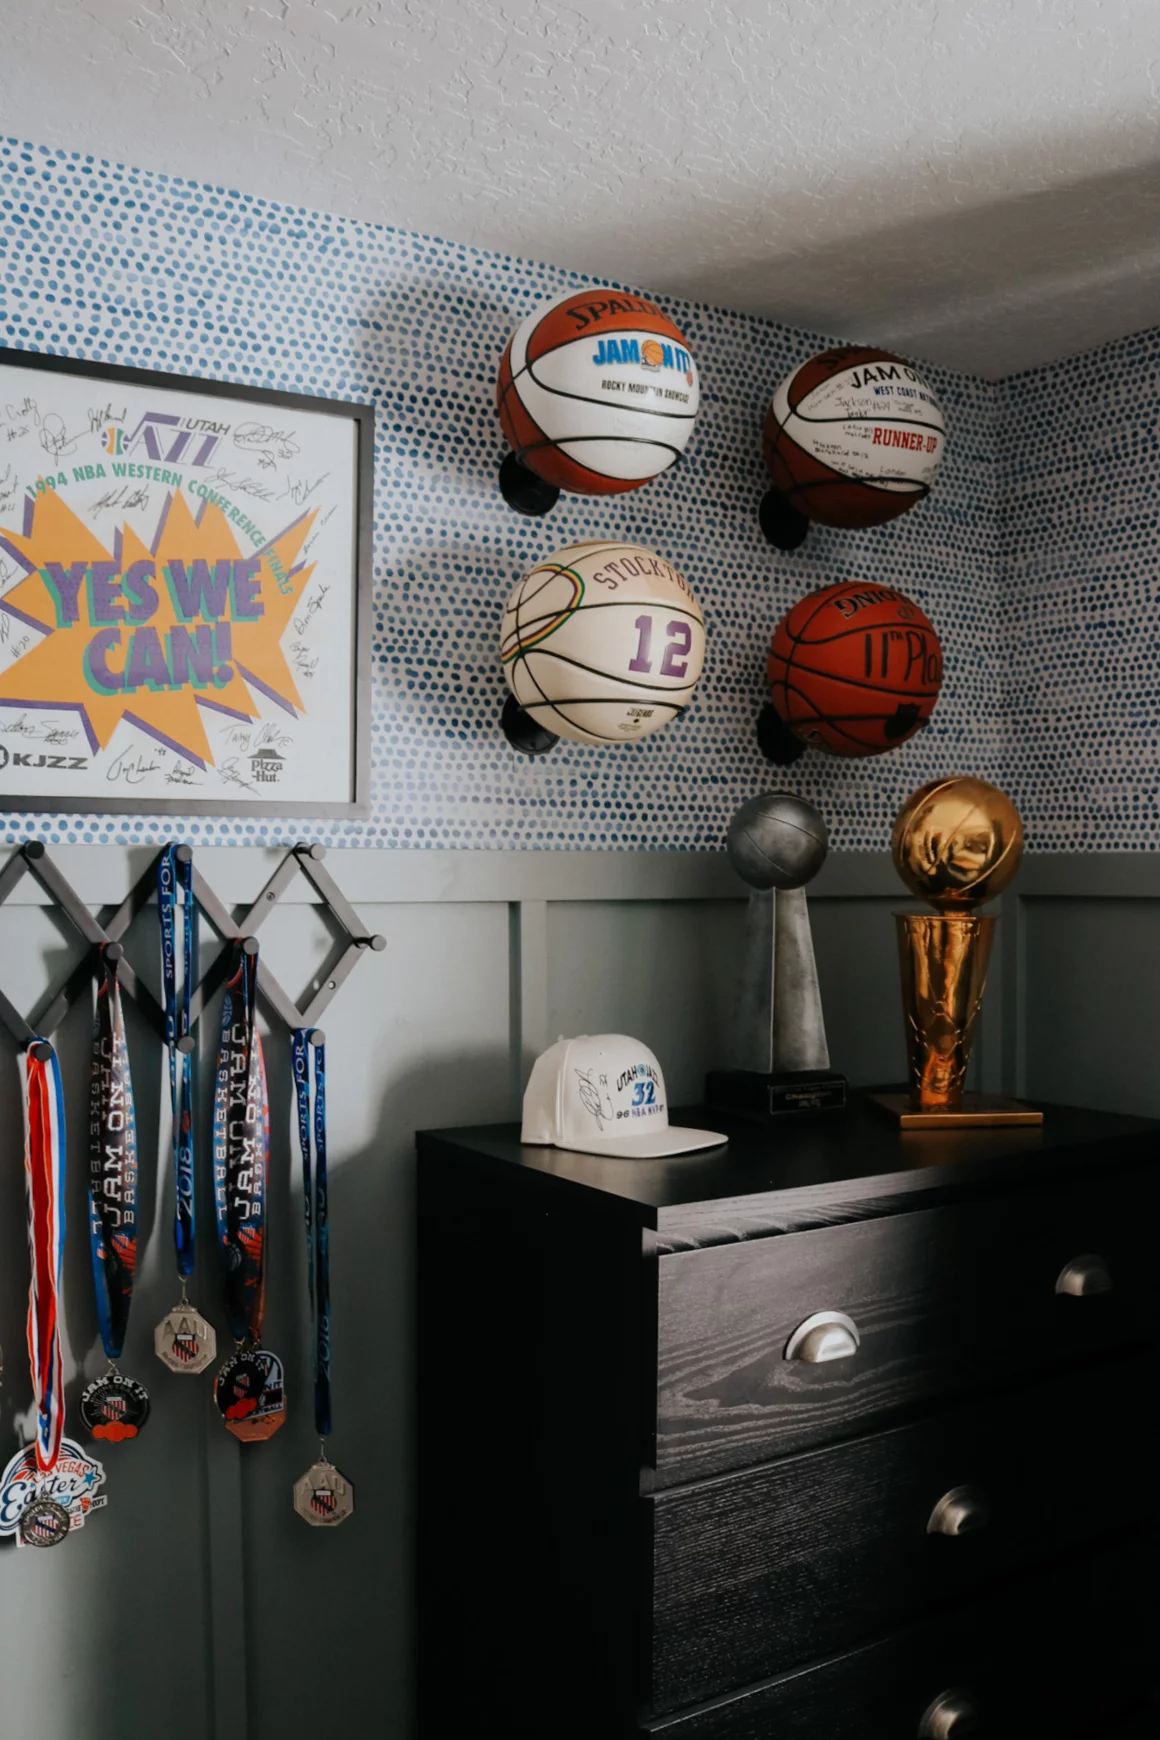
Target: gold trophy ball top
[(957, 842)]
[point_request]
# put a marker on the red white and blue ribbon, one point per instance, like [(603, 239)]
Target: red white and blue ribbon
[(172, 869), (314, 1192), (112, 1162), (241, 1148), (44, 1179)]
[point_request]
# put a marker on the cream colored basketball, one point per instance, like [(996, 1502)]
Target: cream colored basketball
[(603, 643)]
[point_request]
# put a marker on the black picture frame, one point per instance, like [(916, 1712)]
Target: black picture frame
[(362, 415)]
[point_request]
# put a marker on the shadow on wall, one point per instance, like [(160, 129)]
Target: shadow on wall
[(226, 1599), (1026, 278), (361, 1577)]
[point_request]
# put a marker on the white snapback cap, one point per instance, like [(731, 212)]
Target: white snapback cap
[(605, 1095)]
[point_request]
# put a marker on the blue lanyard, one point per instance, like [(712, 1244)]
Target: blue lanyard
[(315, 1200), (179, 1039), (112, 1162), (241, 1149)]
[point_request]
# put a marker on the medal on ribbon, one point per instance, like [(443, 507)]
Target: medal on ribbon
[(35, 1508), (323, 1496), (184, 1340), (249, 1389), (43, 1514), (114, 1407)]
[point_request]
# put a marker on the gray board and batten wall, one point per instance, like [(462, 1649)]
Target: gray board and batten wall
[(197, 1605)]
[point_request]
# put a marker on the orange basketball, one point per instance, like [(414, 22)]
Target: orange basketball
[(597, 392), (855, 669)]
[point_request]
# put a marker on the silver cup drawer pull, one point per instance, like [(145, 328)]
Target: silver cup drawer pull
[(1084, 1276), (952, 1716), (824, 1336), (961, 1511)]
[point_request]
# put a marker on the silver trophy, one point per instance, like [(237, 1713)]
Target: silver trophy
[(780, 1062)]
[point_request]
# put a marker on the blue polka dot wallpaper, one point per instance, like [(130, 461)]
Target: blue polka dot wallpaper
[(118, 265), (1080, 463)]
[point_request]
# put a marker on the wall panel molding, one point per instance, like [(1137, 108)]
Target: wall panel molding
[(489, 955)]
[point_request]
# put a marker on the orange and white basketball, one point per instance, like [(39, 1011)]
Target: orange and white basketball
[(597, 392), (602, 643), (854, 437)]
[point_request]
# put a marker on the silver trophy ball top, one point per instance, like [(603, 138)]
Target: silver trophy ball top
[(777, 840)]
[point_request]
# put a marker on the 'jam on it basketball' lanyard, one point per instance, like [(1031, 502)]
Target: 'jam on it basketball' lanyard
[(113, 1407), (322, 1497), (184, 1341), (249, 1389), (44, 1522)]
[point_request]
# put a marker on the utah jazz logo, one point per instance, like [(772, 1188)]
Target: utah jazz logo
[(166, 439)]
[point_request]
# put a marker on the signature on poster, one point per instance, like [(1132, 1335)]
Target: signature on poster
[(128, 496), (323, 520), (134, 765), (310, 610), (13, 648), (300, 489), (248, 738), (183, 773), (240, 484), (304, 659), (232, 774), (18, 418), (55, 438), (102, 415), (269, 443), (37, 731)]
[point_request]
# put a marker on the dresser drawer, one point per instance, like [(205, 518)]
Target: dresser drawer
[(1072, 1657), (942, 1301), (757, 1572)]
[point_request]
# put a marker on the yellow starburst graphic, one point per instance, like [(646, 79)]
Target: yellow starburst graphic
[(152, 634)]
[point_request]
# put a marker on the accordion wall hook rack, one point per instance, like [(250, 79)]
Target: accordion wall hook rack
[(33, 858)]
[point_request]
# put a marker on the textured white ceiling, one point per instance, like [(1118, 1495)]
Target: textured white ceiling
[(975, 181)]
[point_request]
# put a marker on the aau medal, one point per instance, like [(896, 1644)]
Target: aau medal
[(45, 1523), (184, 1341), (114, 1407), (250, 1393), (324, 1497)]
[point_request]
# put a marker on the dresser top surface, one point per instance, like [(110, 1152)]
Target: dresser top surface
[(805, 1171)]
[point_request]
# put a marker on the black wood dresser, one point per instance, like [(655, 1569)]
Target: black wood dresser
[(836, 1433)]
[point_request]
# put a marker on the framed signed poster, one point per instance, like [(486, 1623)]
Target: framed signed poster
[(185, 579)]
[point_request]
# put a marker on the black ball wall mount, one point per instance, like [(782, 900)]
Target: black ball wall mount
[(783, 525), (523, 733), (775, 739), (524, 491)]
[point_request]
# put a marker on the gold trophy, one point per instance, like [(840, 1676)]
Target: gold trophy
[(956, 843)]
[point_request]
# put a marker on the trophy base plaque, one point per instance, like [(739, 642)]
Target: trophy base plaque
[(750, 1093), (975, 1111)]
